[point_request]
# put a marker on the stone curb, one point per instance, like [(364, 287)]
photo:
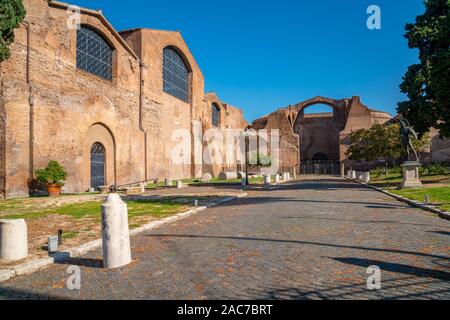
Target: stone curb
[(442, 214), (60, 257)]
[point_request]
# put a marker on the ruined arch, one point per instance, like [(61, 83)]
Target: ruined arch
[(320, 133)]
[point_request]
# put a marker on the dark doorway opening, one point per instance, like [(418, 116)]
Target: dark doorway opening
[(98, 157), (320, 157)]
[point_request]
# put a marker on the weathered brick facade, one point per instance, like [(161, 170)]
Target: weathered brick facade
[(52, 110), (304, 136)]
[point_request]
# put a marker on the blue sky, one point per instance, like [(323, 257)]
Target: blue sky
[(260, 55)]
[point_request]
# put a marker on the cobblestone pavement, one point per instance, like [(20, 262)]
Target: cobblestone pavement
[(303, 240)]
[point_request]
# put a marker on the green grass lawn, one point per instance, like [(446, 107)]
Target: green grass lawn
[(394, 180), (439, 196), (14, 209)]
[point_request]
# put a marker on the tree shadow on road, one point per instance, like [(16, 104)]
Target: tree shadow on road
[(397, 268), (298, 242)]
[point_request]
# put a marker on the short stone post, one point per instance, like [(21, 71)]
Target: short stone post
[(366, 177), (116, 235), (342, 170), (267, 180), (277, 178), (294, 173), (353, 174), (289, 176), (179, 184), (142, 186), (13, 240), (285, 176), (359, 176)]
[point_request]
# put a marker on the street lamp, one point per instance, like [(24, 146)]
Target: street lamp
[(246, 136)]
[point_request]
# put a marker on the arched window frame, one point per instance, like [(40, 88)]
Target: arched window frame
[(215, 115), (95, 53), (176, 74)]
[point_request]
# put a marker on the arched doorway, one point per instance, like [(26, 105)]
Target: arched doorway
[(320, 157), (98, 165)]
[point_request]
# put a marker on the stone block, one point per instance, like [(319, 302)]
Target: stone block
[(206, 177), (13, 240), (411, 178), (228, 176)]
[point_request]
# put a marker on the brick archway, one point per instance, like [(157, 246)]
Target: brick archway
[(320, 133)]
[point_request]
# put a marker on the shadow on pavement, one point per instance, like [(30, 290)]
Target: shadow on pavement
[(397, 268), (421, 254)]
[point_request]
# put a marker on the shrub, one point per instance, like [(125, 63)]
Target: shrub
[(53, 174)]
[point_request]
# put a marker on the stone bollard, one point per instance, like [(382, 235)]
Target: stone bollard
[(179, 184), (277, 178), (168, 182), (366, 177), (353, 174), (289, 176), (13, 240), (116, 235), (294, 173), (285, 176), (342, 170), (142, 186), (267, 180), (359, 176)]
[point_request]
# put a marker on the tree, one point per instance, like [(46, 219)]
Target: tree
[(12, 12), (427, 84), (381, 142)]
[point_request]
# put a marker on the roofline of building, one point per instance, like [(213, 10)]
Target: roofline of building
[(101, 17)]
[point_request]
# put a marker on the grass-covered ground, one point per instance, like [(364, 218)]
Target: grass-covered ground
[(81, 221), (438, 196), (25, 209), (214, 181)]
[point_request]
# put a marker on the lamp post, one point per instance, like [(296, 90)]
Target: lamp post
[(245, 134)]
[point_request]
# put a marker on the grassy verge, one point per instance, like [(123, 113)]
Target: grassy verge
[(438, 196), (14, 209), (394, 180)]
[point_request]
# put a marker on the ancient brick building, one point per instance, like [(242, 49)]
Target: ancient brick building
[(318, 137), (104, 104)]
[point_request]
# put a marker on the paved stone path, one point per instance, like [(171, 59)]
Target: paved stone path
[(304, 240)]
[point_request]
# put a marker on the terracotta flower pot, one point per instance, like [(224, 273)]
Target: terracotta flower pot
[(54, 190)]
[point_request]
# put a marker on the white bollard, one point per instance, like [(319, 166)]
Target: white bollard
[(267, 180), (289, 176), (179, 184), (366, 177), (116, 235), (359, 175), (285, 176), (142, 186), (277, 178), (13, 240), (353, 174)]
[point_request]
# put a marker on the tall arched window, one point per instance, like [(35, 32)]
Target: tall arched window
[(175, 75), (94, 54), (98, 158), (215, 115)]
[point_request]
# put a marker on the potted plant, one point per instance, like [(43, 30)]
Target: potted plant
[(53, 176)]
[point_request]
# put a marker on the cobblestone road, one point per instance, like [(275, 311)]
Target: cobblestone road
[(303, 240)]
